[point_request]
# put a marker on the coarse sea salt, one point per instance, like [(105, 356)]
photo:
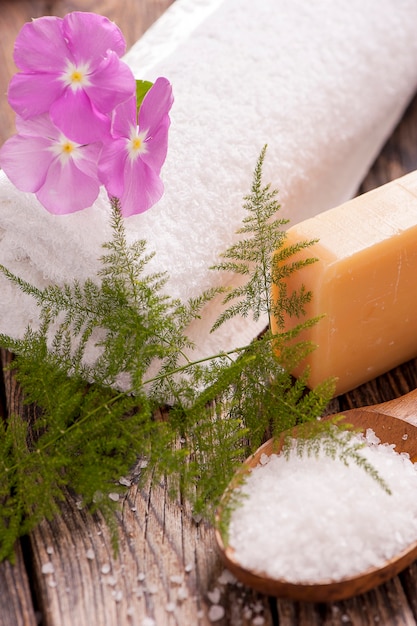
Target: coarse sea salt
[(307, 519)]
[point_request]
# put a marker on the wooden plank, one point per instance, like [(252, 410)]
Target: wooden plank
[(409, 582), (16, 607), (385, 606), (399, 155), (166, 569)]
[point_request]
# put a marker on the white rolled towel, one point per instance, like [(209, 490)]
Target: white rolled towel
[(322, 83)]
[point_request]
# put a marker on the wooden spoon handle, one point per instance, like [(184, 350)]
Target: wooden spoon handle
[(404, 407)]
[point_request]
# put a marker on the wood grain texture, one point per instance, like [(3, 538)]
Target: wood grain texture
[(166, 568), (16, 605), (385, 606)]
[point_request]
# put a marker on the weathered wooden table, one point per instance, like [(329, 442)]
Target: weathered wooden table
[(168, 571)]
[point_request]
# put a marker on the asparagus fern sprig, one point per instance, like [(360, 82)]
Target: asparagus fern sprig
[(95, 417), (250, 257)]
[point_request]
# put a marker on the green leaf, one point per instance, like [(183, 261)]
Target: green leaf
[(142, 88)]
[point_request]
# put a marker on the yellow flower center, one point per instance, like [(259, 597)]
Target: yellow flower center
[(65, 150), (67, 147), (137, 143), (76, 76)]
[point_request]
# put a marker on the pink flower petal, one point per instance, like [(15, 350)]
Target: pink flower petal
[(47, 47), (39, 126), (74, 114), (156, 105), (143, 188), (124, 118), (154, 118), (90, 35), (88, 163), (40, 46), (111, 167), (25, 160), (67, 189), (157, 147), (33, 94), (35, 161), (111, 83), (135, 181)]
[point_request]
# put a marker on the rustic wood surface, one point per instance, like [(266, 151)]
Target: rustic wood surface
[(167, 571)]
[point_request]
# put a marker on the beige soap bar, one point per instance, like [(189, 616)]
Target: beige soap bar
[(365, 282)]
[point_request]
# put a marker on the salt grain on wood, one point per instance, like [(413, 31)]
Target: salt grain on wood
[(118, 595), (182, 594), (48, 568), (226, 578), (214, 595), (176, 579), (216, 612), (311, 519)]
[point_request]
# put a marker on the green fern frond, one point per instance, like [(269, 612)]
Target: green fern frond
[(252, 255), (264, 257), (337, 439), (94, 418)]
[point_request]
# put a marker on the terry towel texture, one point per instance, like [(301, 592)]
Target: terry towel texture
[(322, 83)]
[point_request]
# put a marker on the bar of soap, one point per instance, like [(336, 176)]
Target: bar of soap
[(364, 282)]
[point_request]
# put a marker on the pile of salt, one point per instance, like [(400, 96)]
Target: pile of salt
[(314, 519)]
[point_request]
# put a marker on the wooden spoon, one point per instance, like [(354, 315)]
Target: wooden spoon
[(391, 422)]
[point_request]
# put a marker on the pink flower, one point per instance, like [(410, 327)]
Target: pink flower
[(71, 68), (130, 164), (41, 160)]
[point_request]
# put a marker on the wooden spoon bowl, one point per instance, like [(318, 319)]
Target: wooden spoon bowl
[(391, 422)]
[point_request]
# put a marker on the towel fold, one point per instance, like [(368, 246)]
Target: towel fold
[(322, 83)]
